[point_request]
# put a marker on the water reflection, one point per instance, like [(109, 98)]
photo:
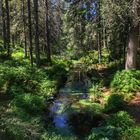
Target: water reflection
[(59, 116), (60, 120)]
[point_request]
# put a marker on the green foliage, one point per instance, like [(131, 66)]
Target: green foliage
[(104, 133), (121, 120), (55, 136), (16, 127), (132, 133), (114, 103), (90, 58), (30, 103), (19, 55), (62, 61), (57, 71), (19, 80), (119, 126), (90, 106), (96, 91), (126, 81), (47, 88)]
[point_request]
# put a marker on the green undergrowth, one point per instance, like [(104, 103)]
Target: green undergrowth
[(115, 102), (20, 80), (120, 126), (126, 81), (28, 89)]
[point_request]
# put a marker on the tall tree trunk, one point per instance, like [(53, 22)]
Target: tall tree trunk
[(47, 33), (59, 17), (37, 49), (99, 33), (0, 8), (30, 32), (0, 18), (13, 41), (3, 24), (7, 27), (133, 42), (132, 49), (24, 28)]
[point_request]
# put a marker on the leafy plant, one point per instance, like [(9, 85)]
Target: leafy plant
[(47, 88), (104, 133), (114, 103), (16, 127), (55, 136), (96, 92), (132, 133), (121, 120), (30, 103), (126, 81)]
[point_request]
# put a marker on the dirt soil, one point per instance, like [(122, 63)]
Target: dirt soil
[(134, 108)]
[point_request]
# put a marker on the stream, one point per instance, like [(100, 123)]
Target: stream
[(60, 111), (74, 90), (65, 117)]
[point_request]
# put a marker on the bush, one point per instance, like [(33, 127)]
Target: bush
[(121, 120), (126, 81), (16, 128), (92, 57), (55, 136), (30, 103), (47, 88), (57, 72), (90, 106), (20, 81), (114, 103), (18, 55), (132, 133), (119, 126), (96, 92), (104, 133)]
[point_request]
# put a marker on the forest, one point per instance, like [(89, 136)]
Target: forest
[(69, 70)]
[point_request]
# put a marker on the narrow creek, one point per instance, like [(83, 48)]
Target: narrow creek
[(62, 116), (60, 110)]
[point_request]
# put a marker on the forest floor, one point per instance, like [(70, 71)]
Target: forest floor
[(134, 108)]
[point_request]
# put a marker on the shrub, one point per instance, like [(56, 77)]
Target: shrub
[(20, 80), (96, 92), (104, 133), (18, 55), (30, 103), (90, 106), (114, 103), (90, 58), (55, 136), (121, 120), (57, 72), (132, 133), (119, 126), (126, 81), (16, 128), (47, 88)]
